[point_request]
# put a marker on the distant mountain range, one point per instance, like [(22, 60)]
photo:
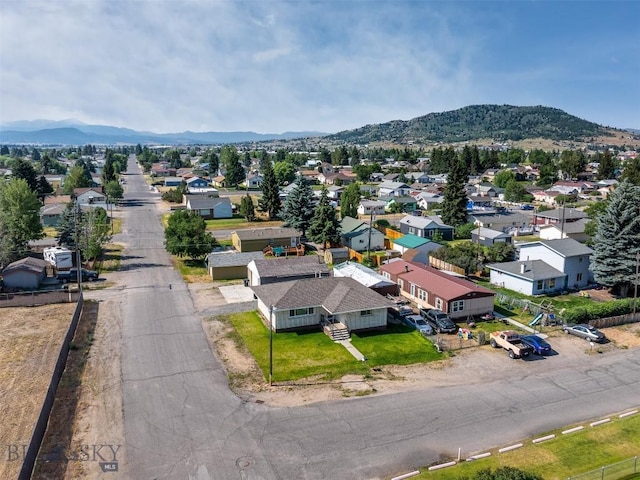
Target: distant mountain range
[(496, 122), (73, 132)]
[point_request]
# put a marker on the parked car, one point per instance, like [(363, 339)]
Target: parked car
[(539, 345), (440, 321), (72, 275), (585, 331), (527, 206), (511, 342), (419, 323)]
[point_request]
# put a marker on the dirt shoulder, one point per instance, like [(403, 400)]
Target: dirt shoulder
[(30, 341)]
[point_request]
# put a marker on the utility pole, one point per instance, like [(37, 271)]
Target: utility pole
[(271, 345), (78, 216), (369, 243), (635, 292)]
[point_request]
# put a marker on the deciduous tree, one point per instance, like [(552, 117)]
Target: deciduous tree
[(19, 219), (186, 235)]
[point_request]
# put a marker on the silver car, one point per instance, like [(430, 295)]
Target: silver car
[(585, 331)]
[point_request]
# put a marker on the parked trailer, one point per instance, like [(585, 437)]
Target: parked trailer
[(59, 257)]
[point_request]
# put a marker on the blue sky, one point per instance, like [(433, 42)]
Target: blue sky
[(271, 66)]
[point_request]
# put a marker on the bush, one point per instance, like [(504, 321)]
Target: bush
[(595, 311)]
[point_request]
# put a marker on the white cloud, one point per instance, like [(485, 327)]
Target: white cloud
[(262, 66)]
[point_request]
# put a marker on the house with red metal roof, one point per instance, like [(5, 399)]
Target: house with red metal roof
[(433, 288)]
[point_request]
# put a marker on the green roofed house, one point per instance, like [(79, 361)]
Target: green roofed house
[(359, 235), (415, 243)]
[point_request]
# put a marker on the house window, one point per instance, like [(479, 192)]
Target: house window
[(422, 295), (365, 312), (413, 290), (579, 277), (401, 284), (439, 303), (457, 306), (386, 275), (539, 285), (299, 312), (552, 283)]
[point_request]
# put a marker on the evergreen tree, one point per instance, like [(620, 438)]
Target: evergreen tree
[(247, 208), (66, 227), (607, 167), (454, 204), (350, 200), (24, 169), (235, 174), (632, 171), (325, 227), (264, 161), (299, 207), (43, 188), (35, 155), (19, 219), (4, 150), (354, 159), (270, 201), (108, 171), (616, 244)]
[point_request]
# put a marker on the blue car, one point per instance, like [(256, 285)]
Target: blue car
[(539, 345)]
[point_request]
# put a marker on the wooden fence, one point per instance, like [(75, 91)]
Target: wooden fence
[(378, 259), (617, 320), (32, 299), (390, 232), (442, 265)]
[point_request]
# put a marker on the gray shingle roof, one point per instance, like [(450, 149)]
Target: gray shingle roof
[(534, 269), (269, 232), (489, 233), (28, 263), (197, 202), (562, 213), (289, 267), (336, 295), (232, 259), (566, 247)]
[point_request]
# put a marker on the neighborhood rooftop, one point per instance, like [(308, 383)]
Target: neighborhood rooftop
[(336, 295), (528, 269), (268, 232)]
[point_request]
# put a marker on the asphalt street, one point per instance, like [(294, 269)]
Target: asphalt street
[(183, 422)]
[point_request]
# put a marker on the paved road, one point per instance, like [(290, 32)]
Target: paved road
[(181, 420)]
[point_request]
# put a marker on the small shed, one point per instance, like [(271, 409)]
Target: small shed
[(26, 273), (336, 255), (230, 265), (257, 239)]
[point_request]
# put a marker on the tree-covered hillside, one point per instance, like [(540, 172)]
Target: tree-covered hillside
[(499, 122)]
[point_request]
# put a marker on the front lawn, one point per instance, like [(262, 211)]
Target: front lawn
[(238, 222), (307, 354), (398, 345), (295, 355), (192, 271)]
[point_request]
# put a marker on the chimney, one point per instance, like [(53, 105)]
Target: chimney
[(406, 268), (523, 268)]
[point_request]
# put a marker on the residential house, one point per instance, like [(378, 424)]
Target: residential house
[(230, 265), (282, 269), (209, 207), (218, 181), (257, 239), (406, 204), (440, 178), (51, 214), (429, 200), (359, 235), (426, 227), (529, 277), (25, 274), (547, 197), (93, 197), (173, 181), (566, 255), (367, 277), (371, 207), (195, 183), (573, 188), (411, 241), (393, 189), (334, 192), (488, 237), (56, 181), (486, 190), (336, 178), (432, 288), (558, 216), (254, 181), (515, 223), (162, 169), (555, 231), (310, 303), (418, 177)]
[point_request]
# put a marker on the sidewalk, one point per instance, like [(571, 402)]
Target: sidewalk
[(352, 350)]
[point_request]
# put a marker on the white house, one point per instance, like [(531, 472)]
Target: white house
[(369, 207), (529, 277), (94, 197), (309, 303), (360, 236), (566, 255), (393, 189)]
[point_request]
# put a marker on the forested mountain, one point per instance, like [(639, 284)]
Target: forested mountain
[(497, 122)]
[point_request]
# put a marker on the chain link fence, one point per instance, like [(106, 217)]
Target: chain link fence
[(614, 471)]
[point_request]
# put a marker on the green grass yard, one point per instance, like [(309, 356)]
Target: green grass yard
[(562, 457), (313, 354)]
